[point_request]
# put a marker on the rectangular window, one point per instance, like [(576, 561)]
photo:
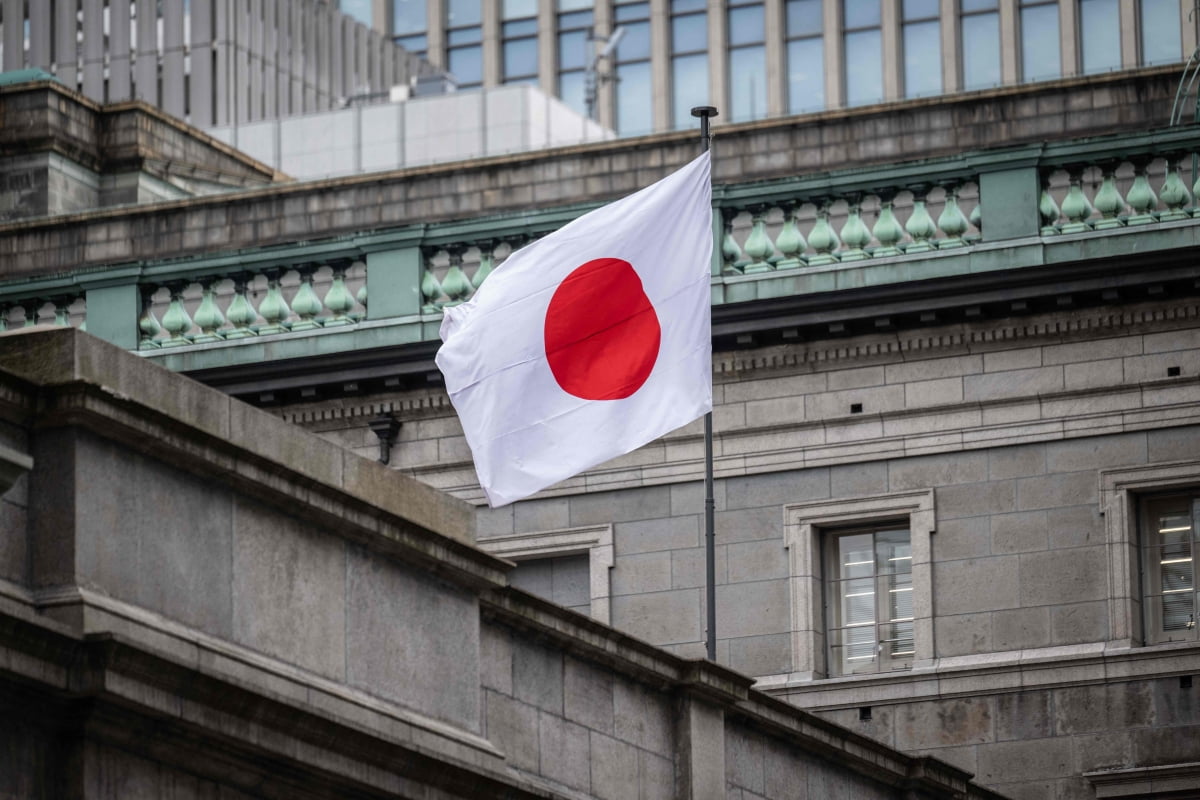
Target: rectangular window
[(869, 600), (1161, 42), (1039, 41), (464, 37), (922, 39), (980, 44), (747, 62), (1170, 535), (409, 25), (520, 51), (1099, 35), (575, 48), (689, 60), (634, 100), (863, 39), (861, 583), (805, 56)]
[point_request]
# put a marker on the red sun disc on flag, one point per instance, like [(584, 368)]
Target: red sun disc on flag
[(601, 333)]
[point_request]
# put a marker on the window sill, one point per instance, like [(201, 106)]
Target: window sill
[(1005, 671)]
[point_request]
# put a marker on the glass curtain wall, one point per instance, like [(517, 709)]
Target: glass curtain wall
[(689, 60), (805, 56)]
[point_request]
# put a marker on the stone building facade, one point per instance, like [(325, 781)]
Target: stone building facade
[(955, 373), (198, 600)]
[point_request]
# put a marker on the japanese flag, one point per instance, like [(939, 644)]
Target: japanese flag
[(589, 342)]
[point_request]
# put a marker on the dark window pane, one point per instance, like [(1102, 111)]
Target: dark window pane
[(1100, 36), (520, 58), (920, 9), (636, 44), (521, 27), (861, 13), (747, 83), (463, 12), (413, 44), (689, 78), (633, 98), (570, 90), (864, 73), (515, 9), (1039, 43), (803, 17), (689, 33), (922, 59), (1160, 32), (409, 16), (981, 51), (579, 19), (471, 35), (573, 50), (466, 64), (806, 75), (631, 11), (745, 25)]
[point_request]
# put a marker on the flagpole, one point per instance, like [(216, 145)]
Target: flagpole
[(710, 537)]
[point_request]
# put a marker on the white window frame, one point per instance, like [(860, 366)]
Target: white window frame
[(803, 524), (1119, 491), (594, 541)]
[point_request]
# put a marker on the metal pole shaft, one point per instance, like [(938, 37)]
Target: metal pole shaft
[(710, 536)]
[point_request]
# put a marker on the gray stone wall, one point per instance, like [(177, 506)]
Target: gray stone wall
[(209, 558), (1038, 744), (576, 726), (217, 603)]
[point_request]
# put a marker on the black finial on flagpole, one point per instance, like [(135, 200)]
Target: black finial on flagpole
[(710, 537), (704, 113)]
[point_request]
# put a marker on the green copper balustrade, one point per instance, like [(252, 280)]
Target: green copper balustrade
[(452, 273), (64, 309), (249, 303), (821, 231), (1109, 193)]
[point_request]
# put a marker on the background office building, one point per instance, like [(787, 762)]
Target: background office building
[(211, 62), (759, 58)]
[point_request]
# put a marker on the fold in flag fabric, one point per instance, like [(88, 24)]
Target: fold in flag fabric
[(589, 342)]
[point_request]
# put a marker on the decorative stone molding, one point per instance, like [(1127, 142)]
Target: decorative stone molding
[(595, 541), (802, 526), (1146, 782)]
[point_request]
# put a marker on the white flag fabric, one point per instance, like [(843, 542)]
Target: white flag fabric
[(589, 342)]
